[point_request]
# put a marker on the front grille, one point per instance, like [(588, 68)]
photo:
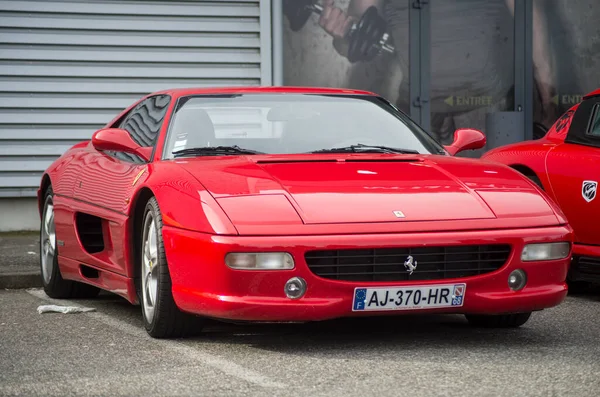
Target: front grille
[(387, 264)]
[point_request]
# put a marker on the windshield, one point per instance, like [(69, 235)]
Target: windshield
[(291, 123)]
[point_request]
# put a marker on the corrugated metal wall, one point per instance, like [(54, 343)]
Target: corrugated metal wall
[(68, 67)]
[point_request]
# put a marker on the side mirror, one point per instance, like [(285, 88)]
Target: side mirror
[(118, 140), (466, 139)]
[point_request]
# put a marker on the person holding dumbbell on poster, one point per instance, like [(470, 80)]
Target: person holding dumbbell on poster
[(363, 38), (472, 54), (339, 24)]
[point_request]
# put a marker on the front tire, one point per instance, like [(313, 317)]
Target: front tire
[(54, 285), (498, 321), (162, 317)]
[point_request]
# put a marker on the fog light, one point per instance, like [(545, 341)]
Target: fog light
[(295, 288), (517, 280), (545, 251)]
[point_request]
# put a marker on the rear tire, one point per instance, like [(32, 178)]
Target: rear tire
[(162, 317), (54, 285), (498, 321)]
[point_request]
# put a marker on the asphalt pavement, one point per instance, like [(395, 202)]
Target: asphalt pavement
[(107, 352), (19, 260)]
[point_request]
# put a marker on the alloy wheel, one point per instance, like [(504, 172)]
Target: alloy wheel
[(149, 267), (48, 240)]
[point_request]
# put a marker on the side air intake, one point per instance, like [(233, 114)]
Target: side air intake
[(89, 230)]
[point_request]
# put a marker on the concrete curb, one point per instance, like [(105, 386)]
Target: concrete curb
[(20, 280)]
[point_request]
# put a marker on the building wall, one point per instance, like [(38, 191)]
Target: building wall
[(68, 67), (19, 214)]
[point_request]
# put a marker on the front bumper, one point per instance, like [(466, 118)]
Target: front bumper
[(204, 285)]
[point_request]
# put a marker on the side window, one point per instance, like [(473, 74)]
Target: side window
[(145, 120), (585, 125), (127, 157), (594, 127)]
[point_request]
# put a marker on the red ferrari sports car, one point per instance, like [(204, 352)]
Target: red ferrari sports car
[(292, 205), (565, 163)]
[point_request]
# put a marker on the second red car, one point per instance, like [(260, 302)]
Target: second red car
[(566, 165)]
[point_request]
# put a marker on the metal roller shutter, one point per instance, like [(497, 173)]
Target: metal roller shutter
[(68, 67)]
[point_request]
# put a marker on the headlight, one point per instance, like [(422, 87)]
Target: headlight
[(545, 252), (259, 260)]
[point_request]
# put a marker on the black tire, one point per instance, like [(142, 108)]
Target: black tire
[(56, 287), (498, 321), (578, 287), (167, 320)]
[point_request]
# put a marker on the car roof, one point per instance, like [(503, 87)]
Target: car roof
[(179, 92), (592, 94)]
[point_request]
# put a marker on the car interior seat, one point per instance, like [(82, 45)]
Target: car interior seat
[(195, 126)]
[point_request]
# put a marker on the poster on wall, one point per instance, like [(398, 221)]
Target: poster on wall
[(566, 56), (364, 44)]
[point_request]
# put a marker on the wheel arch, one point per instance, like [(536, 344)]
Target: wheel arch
[(547, 193), (136, 216), (44, 185), (529, 173)]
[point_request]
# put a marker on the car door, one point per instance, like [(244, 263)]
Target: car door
[(106, 183), (574, 172)]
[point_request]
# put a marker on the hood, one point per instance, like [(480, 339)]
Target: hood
[(334, 189)]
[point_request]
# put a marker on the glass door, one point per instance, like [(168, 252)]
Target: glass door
[(472, 70)]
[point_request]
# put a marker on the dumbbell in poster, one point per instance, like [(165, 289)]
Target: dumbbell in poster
[(364, 44)]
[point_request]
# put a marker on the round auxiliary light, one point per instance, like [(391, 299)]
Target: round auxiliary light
[(517, 280), (295, 288)]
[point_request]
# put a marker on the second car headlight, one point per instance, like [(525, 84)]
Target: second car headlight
[(259, 260), (545, 251)]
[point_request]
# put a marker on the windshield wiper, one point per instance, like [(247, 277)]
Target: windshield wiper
[(362, 148), (214, 151)]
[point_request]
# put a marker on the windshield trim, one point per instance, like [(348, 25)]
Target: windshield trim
[(422, 135)]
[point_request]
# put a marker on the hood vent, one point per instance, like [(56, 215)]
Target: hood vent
[(284, 161), (346, 160), (379, 160)]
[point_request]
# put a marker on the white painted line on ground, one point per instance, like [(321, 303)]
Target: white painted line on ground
[(221, 364)]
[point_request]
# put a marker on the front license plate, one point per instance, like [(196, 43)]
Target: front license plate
[(409, 298)]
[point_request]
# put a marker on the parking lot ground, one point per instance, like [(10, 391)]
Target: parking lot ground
[(107, 352), (19, 260)]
